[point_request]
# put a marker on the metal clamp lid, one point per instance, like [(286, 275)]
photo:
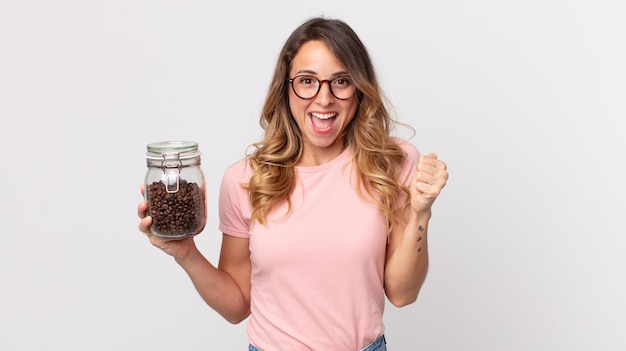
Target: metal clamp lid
[(183, 149)]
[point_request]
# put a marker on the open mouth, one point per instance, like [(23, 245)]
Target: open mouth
[(322, 121)]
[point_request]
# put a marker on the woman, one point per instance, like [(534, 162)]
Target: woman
[(327, 215)]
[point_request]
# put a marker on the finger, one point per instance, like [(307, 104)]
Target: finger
[(426, 177), (142, 209), (144, 225), (433, 172), (431, 177), (438, 178), (431, 160), (142, 189), (427, 191)]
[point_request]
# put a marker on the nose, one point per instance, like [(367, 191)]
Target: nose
[(324, 95)]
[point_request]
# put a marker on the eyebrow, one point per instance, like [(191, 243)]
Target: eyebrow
[(313, 73)]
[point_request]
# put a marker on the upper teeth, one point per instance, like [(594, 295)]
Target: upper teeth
[(323, 115)]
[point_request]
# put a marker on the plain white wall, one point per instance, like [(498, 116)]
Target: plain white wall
[(524, 100)]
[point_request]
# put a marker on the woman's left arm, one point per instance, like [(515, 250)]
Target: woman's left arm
[(407, 250)]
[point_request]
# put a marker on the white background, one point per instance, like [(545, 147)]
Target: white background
[(525, 101)]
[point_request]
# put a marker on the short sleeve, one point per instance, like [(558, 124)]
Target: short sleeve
[(234, 209), (410, 164)]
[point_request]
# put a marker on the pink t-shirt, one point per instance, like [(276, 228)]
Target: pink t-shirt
[(317, 271)]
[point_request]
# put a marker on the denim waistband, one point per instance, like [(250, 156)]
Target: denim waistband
[(379, 344)]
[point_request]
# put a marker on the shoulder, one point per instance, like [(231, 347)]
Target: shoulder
[(411, 159), (411, 152), (236, 175), (239, 170)]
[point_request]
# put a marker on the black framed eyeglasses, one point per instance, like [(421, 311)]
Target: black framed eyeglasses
[(307, 87)]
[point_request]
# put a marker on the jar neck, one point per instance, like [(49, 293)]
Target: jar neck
[(173, 163)]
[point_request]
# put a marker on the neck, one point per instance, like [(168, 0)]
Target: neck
[(319, 156)]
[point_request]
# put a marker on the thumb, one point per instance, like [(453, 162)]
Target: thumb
[(431, 155)]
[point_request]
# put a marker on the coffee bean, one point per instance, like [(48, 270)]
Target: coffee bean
[(178, 214)]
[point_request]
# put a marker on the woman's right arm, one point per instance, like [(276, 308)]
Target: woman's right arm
[(225, 288)]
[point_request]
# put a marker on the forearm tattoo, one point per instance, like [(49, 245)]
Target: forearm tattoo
[(421, 229)]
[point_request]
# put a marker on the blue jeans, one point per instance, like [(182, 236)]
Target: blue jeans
[(379, 344)]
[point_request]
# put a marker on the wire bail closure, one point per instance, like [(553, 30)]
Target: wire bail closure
[(171, 166)]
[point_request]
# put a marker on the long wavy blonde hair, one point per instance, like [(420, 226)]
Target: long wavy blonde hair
[(378, 159)]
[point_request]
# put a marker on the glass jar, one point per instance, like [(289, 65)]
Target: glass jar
[(175, 189)]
